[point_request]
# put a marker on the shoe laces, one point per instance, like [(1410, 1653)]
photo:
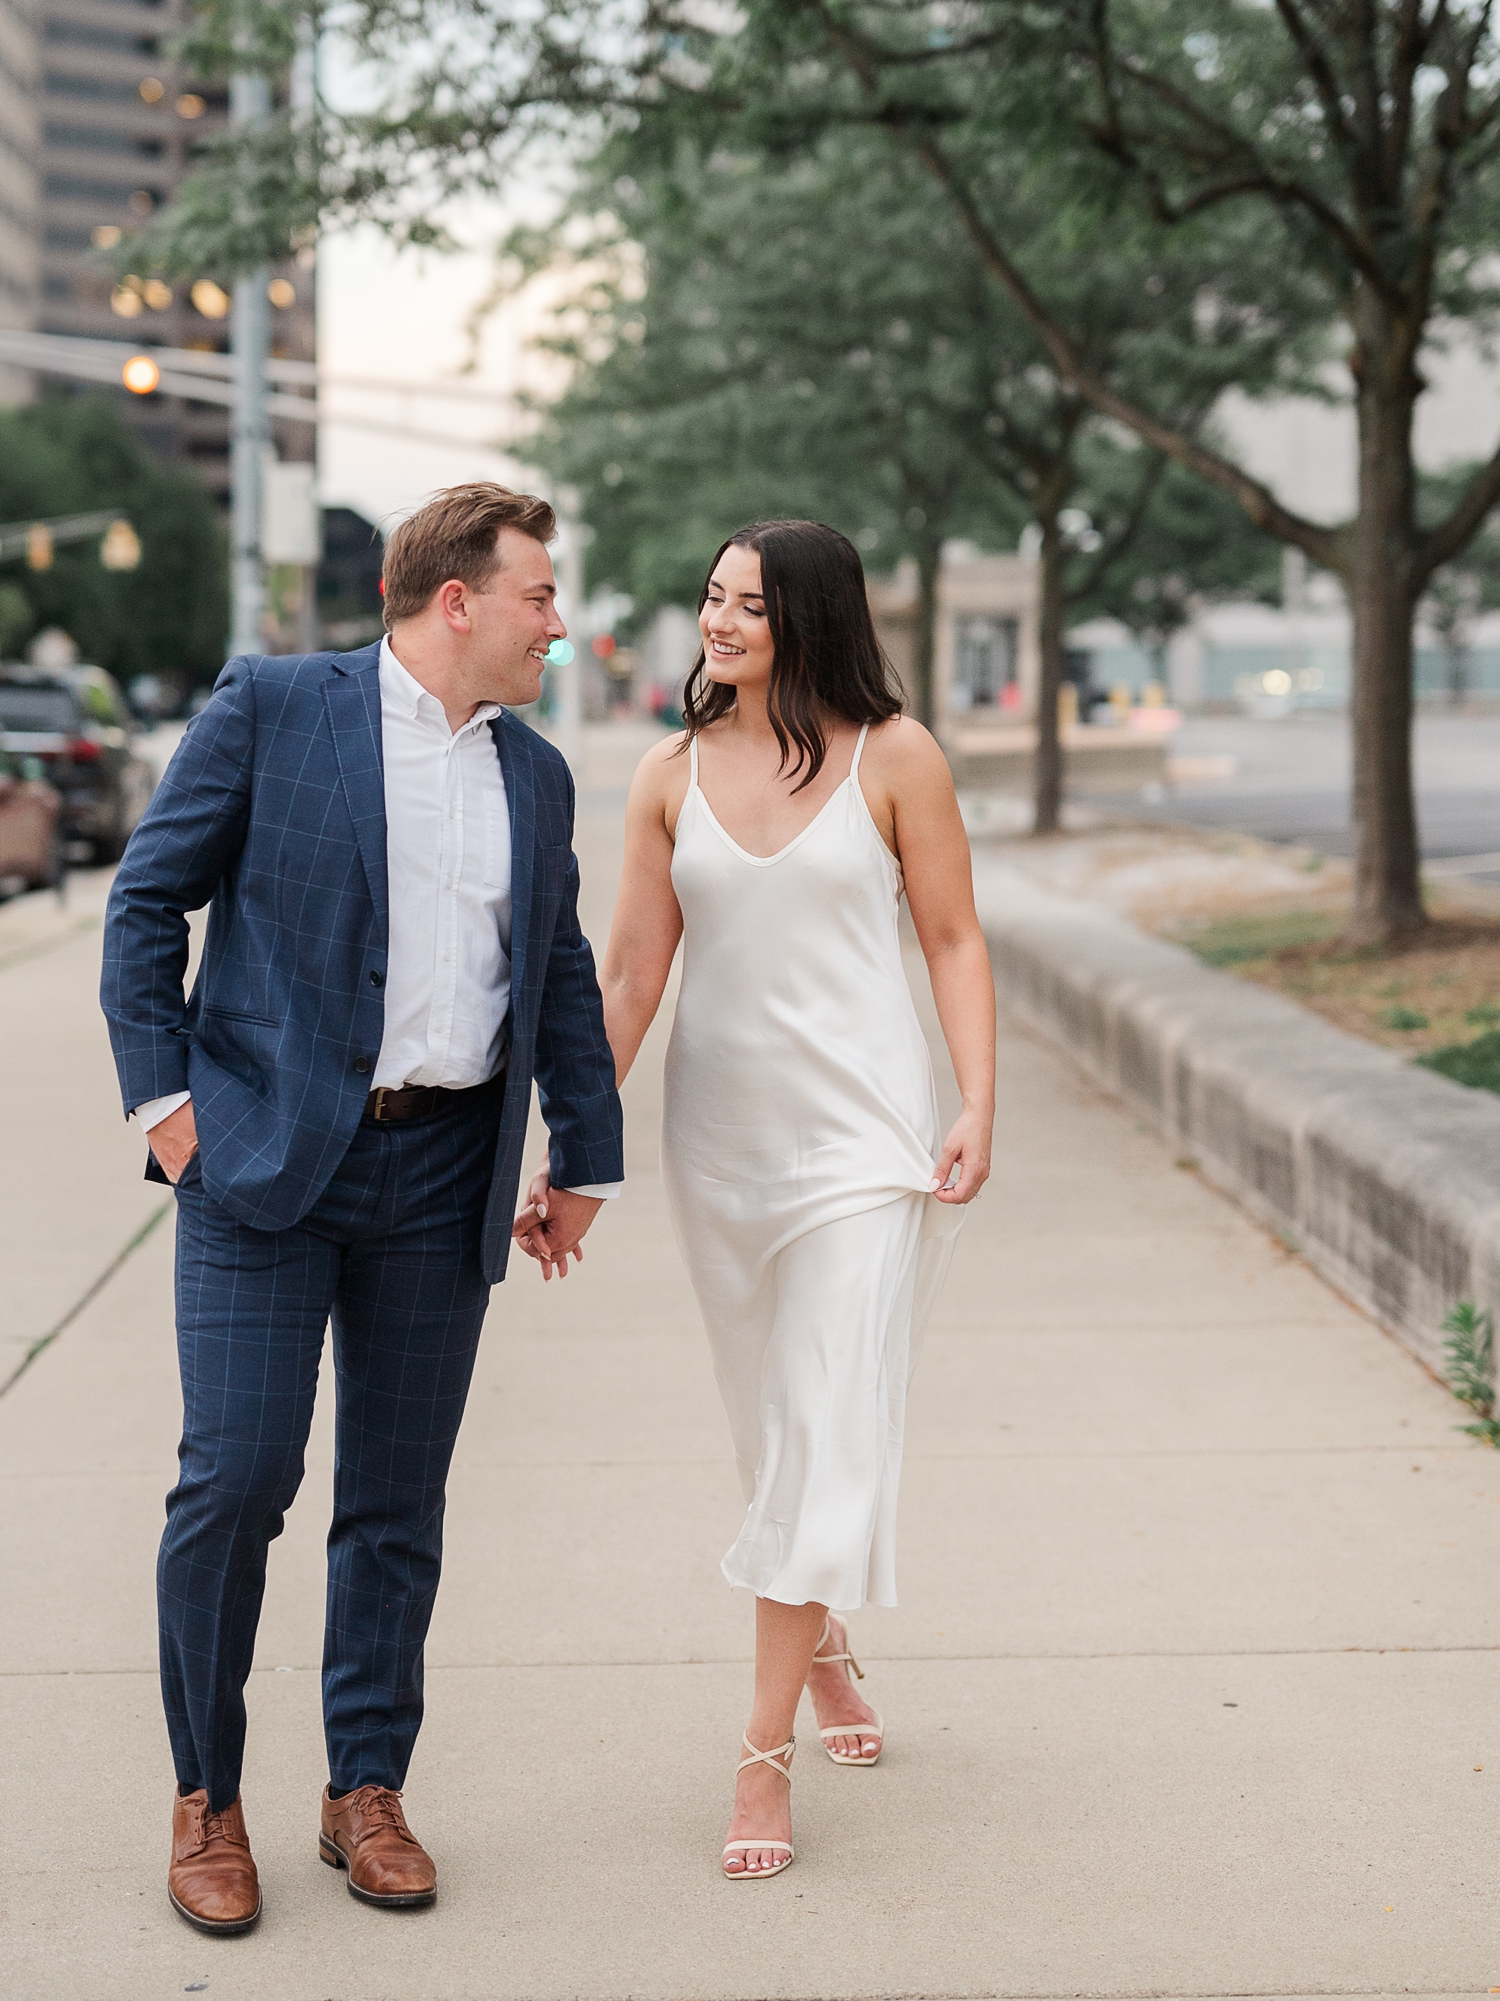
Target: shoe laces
[(212, 1827), (380, 1806)]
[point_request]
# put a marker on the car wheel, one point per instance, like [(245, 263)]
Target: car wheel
[(109, 847), (55, 874)]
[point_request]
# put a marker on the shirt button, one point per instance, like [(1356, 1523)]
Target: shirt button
[(377, 979), (362, 1066)]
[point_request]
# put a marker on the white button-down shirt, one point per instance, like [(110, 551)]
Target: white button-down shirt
[(448, 865), (447, 845)]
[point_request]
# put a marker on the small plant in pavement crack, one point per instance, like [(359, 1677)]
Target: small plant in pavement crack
[(1470, 1349)]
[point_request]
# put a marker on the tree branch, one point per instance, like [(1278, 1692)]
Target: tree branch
[(1118, 544), (1414, 38), (1316, 63), (1444, 542), (1282, 188), (1262, 506)]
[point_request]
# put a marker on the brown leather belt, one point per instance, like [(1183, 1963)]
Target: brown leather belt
[(422, 1101)]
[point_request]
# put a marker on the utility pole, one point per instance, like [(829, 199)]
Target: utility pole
[(250, 335)]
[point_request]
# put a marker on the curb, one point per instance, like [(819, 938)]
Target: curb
[(1386, 1178)]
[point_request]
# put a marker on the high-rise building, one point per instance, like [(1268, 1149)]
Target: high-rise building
[(18, 180), (120, 128)]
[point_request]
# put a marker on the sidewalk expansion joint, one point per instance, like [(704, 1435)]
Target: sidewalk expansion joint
[(151, 1672), (44, 1341), (43, 945)]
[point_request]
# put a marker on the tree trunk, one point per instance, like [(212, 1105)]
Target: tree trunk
[(1379, 573), (1049, 755), (1456, 646), (924, 651)]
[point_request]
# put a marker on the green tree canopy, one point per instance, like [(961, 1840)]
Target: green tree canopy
[(77, 455), (1355, 138), (754, 335)]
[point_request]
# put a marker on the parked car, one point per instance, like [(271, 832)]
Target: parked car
[(33, 852), (77, 722)]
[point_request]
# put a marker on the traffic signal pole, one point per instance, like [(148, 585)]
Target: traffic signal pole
[(250, 337)]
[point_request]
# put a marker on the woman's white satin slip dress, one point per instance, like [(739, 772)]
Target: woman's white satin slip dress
[(799, 1140)]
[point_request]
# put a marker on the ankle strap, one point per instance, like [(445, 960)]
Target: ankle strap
[(821, 1659), (768, 1757)]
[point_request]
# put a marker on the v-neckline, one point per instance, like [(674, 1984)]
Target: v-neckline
[(765, 861)]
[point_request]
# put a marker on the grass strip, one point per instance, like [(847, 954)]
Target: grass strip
[(1239, 940), (1476, 1063), (44, 1341)]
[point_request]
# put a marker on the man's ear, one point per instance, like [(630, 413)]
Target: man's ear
[(453, 603)]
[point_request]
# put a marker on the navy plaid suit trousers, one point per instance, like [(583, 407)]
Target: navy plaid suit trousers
[(391, 1251)]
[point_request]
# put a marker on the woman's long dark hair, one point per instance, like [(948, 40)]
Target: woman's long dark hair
[(827, 660)]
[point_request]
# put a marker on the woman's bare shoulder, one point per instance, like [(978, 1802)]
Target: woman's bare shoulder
[(663, 760), (661, 780), (904, 751)]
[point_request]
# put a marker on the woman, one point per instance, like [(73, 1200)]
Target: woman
[(813, 1201)]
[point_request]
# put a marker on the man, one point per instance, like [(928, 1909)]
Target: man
[(392, 954)]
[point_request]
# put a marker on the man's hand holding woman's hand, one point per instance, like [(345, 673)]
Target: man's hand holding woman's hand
[(174, 1141), (551, 1226)]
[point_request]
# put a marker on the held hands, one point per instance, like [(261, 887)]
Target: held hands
[(551, 1226), (174, 1141), (967, 1148)]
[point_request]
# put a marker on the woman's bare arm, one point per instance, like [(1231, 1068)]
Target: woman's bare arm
[(642, 941), (647, 922), (905, 764)]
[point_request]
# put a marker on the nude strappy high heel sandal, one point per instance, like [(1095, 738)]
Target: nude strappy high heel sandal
[(848, 1729), (731, 1847)]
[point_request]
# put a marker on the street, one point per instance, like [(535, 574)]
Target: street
[(1289, 781), (1197, 1580)]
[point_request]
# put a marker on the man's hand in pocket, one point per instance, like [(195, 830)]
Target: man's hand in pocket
[(174, 1140)]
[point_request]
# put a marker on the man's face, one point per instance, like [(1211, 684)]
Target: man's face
[(513, 621)]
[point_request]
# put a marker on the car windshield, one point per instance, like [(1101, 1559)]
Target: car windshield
[(36, 708)]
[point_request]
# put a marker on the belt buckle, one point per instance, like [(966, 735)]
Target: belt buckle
[(377, 1110)]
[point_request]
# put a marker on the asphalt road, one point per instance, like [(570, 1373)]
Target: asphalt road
[(1289, 781)]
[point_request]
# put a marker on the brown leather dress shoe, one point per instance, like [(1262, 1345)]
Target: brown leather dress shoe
[(212, 1880), (366, 1833)]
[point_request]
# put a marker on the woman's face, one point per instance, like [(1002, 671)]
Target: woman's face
[(737, 644)]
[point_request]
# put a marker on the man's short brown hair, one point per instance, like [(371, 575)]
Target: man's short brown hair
[(456, 535)]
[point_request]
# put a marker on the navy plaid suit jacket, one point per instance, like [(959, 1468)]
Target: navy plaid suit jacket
[(272, 811)]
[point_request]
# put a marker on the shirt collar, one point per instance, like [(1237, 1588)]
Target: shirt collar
[(402, 692)]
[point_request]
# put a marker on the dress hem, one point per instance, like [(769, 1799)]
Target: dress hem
[(856, 1604)]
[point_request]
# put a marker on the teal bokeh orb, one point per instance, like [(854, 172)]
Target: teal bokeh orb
[(559, 653)]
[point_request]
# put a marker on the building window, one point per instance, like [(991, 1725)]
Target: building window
[(81, 35), (96, 139), (63, 187), (984, 665), (107, 90)]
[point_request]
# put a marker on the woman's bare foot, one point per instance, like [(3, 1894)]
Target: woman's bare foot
[(835, 1701), (762, 1810)]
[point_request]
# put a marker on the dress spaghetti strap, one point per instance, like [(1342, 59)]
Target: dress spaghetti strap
[(693, 758), (859, 746)]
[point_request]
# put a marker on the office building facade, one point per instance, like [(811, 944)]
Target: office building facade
[(19, 193), (120, 127)]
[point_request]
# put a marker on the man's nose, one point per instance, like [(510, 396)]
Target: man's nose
[(555, 627)]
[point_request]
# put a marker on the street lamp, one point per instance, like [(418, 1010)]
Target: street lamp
[(140, 375)]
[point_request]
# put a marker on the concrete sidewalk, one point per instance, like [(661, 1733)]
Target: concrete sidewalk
[(1198, 1577)]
